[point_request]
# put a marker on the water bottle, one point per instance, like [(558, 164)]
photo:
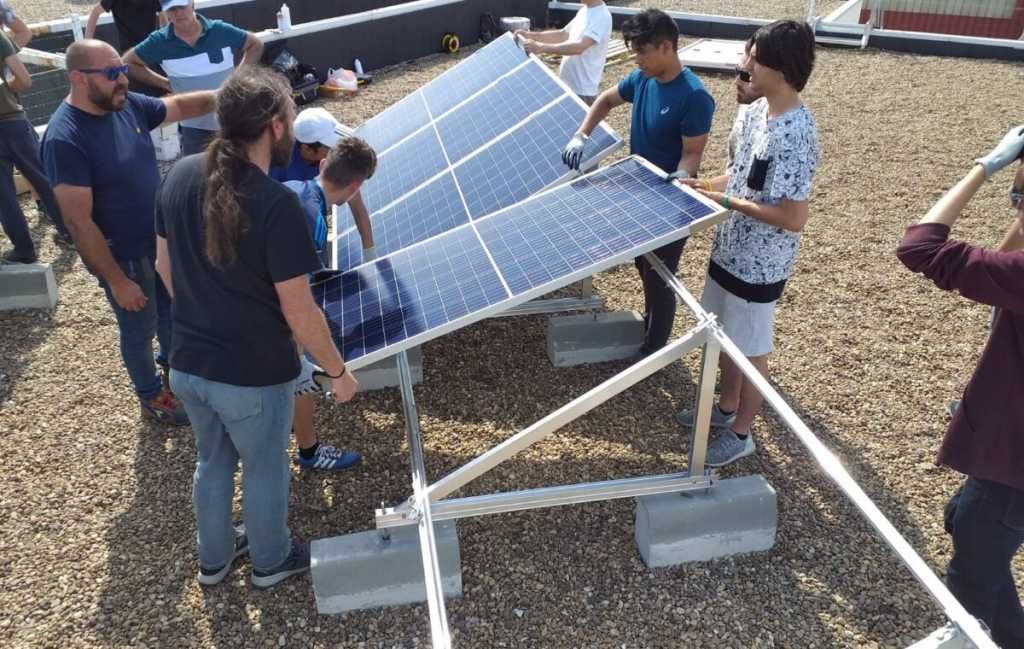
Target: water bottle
[(284, 18), (358, 66)]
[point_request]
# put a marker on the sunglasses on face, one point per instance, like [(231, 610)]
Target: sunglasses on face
[(742, 75), (112, 72)]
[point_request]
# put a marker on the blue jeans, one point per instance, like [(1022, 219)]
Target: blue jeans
[(986, 521), (137, 328), (252, 424), (19, 148)]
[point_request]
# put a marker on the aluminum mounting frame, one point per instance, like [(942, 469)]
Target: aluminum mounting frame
[(428, 501)]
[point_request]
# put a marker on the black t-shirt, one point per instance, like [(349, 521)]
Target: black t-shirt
[(134, 19), (228, 325)]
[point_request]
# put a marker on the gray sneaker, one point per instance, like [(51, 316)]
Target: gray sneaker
[(727, 448), (295, 563), (718, 419), (213, 576)]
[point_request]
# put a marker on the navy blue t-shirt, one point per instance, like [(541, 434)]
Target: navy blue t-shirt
[(314, 204), (297, 169), (228, 324), (665, 113), (112, 154)]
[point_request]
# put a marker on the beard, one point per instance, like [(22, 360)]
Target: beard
[(112, 101), (281, 150)]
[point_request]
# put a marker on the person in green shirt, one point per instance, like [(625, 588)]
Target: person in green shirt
[(19, 147)]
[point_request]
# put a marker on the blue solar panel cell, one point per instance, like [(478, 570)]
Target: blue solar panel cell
[(489, 114), (415, 290), (403, 168), (460, 82), (387, 128), (526, 160), (434, 209), (579, 226)]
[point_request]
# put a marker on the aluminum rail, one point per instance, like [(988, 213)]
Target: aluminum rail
[(439, 633), (835, 470)]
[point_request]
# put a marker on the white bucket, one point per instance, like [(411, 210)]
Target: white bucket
[(512, 23)]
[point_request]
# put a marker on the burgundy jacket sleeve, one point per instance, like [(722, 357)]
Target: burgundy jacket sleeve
[(986, 276)]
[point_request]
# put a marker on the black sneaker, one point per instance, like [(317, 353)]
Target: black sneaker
[(295, 564), (15, 257), (213, 576)]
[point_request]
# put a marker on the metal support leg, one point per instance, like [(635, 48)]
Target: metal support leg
[(439, 634), (705, 400), (835, 470)]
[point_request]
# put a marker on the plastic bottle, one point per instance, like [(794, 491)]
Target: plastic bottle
[(358, 66), (284, 18)]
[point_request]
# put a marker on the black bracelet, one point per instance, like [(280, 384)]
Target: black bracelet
[(331, 376)]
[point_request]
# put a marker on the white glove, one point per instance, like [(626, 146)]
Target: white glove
[(369, 254), (681, 174), (307, 381), (1008, 150), (572, 155)]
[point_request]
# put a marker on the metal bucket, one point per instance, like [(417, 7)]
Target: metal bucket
[(512, 23)]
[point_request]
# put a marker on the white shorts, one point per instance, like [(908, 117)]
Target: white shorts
[(751, 325)]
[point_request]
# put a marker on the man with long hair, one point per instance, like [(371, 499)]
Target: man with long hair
[(985, 439), (767, 189), (100, 160), (235, 252)]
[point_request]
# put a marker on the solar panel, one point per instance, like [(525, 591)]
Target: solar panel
[(489, 114), (396, 123), (493, 263), (495, 123), (526, 160), (403, 168), (457, 84), (421, 215)]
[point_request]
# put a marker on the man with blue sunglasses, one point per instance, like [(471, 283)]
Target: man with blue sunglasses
[(100, 160)]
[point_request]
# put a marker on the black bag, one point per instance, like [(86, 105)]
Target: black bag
[(488, 28), (304, 79)]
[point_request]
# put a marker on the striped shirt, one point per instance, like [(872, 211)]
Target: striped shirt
[(201, 67)]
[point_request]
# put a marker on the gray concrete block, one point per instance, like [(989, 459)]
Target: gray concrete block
[(384, 373), (736, 515), (589, 338), (363, 570), (27, 286)]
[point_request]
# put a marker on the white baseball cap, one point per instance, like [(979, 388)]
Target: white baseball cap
[(171, 4), (317, 125)]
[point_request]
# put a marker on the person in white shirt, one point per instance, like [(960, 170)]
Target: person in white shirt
[(583, 43)]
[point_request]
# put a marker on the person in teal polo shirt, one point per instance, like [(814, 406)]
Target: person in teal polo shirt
[(671, 120), (348, 164), (197, 54)]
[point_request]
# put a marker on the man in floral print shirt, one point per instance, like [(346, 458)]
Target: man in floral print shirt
[(766, 187)]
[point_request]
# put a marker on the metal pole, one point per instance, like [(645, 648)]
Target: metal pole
[(705, 400), (835, 470), (567, 413), (440, 636)]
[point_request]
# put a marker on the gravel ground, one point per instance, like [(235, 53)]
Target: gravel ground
[(98, 548)]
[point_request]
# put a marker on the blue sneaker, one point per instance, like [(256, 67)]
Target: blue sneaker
[(213, 576), (296, 563), (328, 458)]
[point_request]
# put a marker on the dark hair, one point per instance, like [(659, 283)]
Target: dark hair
[(787, 46), (247, 102), (350, 160), (650, 27)]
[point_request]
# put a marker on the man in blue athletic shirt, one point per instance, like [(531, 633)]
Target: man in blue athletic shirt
[(671, 120), (197, 54), (100, 160), (346, 166)]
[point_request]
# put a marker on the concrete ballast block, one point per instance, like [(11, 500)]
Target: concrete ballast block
[(367, 570), (589, 338), (736, 515), (27, 286), (384, 373)]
